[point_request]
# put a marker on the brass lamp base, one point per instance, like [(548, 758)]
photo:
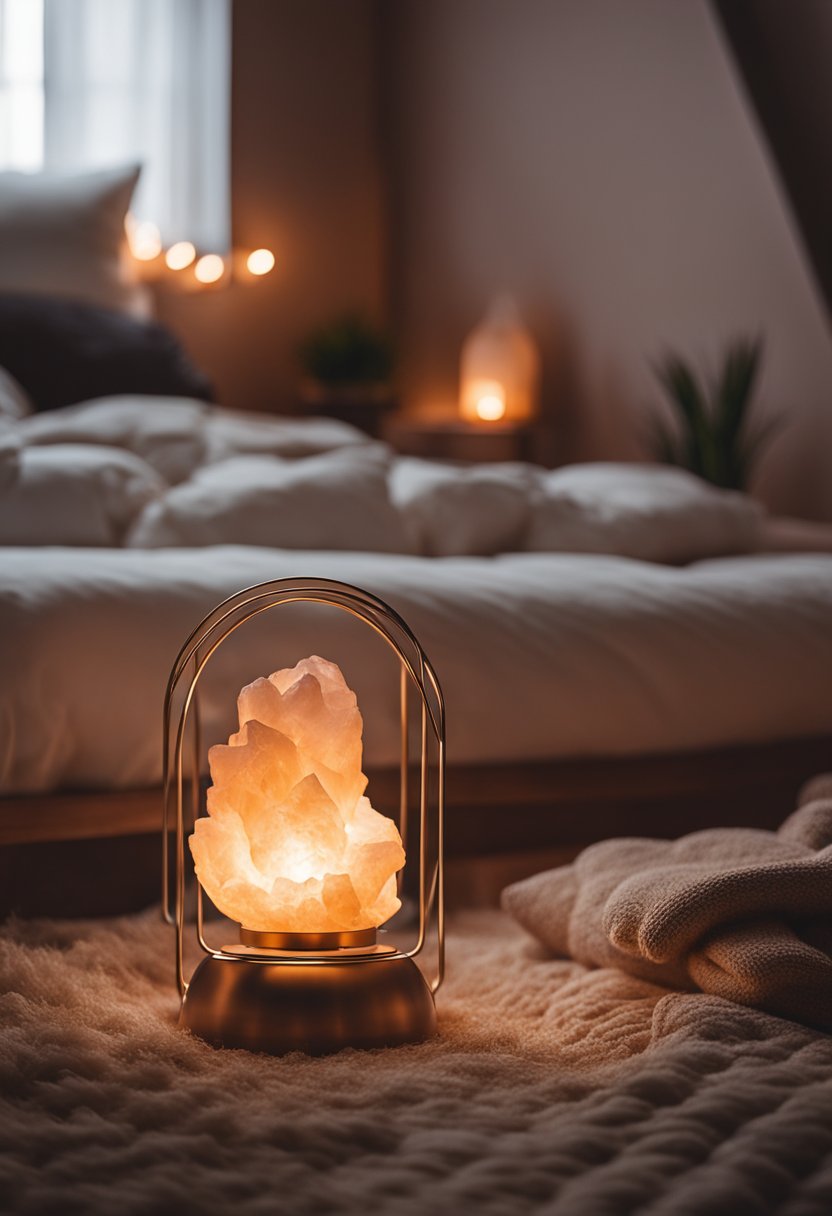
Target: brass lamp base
[(317, 1006)]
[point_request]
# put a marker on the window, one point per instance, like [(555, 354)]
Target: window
[(21, 84), (88, 83)]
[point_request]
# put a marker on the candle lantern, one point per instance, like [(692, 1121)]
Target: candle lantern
[(499, 369), (287, 844)]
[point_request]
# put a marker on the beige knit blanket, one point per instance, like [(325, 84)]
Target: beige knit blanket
[(736, 912)]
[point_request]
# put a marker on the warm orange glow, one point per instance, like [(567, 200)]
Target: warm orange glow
[(490, 407), (291, 843), (210, 268), (499, 369), (483, 400), (180, 255), (260, 261), (144, 239)]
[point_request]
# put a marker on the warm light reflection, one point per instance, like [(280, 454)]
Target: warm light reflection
[(490, 407), (260, 261), (180, 255), (144, 239), (209, 268)]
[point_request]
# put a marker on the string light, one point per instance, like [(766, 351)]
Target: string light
[(260, 261), (144, 239), (210, 268), (180, 255)]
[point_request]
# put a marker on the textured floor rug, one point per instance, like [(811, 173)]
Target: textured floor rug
[(550, 1089)]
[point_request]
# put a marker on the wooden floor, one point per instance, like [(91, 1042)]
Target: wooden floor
[(96, 854)]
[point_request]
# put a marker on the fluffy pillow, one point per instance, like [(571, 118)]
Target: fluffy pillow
[(649, 512), (15, 402), (166, 432), (63, 351), (63, 234), (338, 500), (450, 510), (72, 494), (234, 433)]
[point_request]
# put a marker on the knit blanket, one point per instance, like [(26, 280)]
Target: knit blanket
[(735, 912)]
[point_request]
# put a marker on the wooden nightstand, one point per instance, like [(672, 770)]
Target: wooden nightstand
[(366, 408), (434, 439)]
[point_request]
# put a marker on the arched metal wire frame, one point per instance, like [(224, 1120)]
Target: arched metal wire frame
[(416, 670)]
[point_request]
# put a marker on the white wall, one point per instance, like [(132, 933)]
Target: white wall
[(598, 158)]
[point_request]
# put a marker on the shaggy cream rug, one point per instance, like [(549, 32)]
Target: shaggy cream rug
[(550, 1089)]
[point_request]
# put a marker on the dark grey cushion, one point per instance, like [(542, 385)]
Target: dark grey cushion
[(63, 351)]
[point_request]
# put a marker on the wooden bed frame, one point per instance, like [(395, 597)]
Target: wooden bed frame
[(99, 853)]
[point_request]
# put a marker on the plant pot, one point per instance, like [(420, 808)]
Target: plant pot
[(361, 404)]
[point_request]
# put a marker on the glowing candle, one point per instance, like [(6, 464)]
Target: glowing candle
[(499, 369)]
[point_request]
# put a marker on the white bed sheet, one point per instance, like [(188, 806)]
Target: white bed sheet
[(540, 655)]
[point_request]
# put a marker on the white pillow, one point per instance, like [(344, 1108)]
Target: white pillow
[(72, 494), (234, 433), (15, 402), (167, 432), (338, 500), (451, 510), (63, 234), (650, 512)]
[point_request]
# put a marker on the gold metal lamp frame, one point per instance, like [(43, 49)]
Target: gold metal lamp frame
[(310, 992)]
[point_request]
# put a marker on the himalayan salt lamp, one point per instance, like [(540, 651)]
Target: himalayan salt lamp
[(291, 843), (292, 849)]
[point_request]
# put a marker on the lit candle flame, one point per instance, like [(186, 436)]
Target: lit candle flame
[(490, 407)]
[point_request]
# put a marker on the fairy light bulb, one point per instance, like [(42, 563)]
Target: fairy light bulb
[(210, 268)]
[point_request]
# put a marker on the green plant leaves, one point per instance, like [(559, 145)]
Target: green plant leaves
[(714, 440), (348, 351)]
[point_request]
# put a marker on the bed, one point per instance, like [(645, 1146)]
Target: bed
[(617, 648)]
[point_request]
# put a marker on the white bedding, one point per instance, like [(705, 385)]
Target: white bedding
[(540, 655), (233, 478)]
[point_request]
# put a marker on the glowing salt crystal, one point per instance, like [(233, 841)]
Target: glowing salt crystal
[(290, 843)]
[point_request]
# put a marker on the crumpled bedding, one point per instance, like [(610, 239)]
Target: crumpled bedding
[(550, 1089), (235, 478)]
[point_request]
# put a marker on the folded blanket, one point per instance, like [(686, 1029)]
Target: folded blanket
[(740, 913)]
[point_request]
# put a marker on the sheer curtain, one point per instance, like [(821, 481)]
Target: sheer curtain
[(149, 81), (21, 84)]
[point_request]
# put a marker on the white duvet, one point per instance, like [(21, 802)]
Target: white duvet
[(540, 655), (148, 473), (124, 520)]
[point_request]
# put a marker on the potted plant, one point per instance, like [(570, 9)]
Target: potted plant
[(347, 371), (713, 436)]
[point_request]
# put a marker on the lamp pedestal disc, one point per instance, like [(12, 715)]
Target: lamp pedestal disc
[(317, 1005)]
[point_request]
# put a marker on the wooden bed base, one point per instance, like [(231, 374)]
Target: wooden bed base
[(100, 851)]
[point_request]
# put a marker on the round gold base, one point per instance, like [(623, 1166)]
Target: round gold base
[(315, 1007)]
